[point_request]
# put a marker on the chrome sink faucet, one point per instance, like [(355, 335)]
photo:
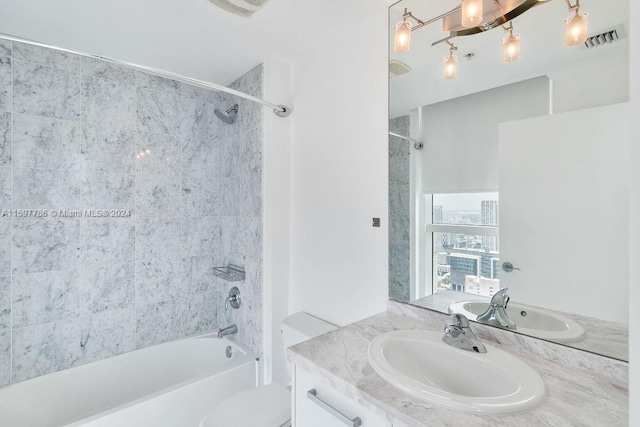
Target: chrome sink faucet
[(229, 330), (459, 335), (496, 314)]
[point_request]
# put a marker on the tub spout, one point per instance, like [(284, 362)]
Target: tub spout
[(229, 330)]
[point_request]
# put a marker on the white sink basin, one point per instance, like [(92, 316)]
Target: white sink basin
[(422, 365), (528, 320)]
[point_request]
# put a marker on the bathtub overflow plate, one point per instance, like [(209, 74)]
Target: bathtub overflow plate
[(229, 352)]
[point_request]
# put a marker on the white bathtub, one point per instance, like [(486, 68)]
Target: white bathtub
[(173, 385)]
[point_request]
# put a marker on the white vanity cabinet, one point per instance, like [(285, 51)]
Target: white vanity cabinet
[(317, 404)]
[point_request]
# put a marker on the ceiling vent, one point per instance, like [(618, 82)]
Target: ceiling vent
[(397, 68), (244, 8), (605, 37)]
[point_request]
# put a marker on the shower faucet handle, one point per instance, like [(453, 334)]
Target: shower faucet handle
[(233, 299)]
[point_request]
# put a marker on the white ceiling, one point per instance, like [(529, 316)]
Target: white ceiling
[(543, 51), (191, 37)]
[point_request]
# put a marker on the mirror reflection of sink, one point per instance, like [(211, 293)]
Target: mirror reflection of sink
[(528, 320), (423, 366)]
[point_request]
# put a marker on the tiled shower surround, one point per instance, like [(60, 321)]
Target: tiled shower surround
[(399, 208), (79, 135)]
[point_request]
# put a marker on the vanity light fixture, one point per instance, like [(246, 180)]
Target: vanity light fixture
[(471, 13), (576, 26), (475, 16), (511, 45), (450, 67)]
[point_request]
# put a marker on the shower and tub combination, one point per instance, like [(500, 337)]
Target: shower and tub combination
[(111, 321)]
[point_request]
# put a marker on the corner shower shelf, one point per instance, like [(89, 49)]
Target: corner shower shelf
[(230, 273)]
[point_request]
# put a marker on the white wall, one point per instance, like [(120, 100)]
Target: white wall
[(563, 182), (634, 234), (276, 192), (339, 173)]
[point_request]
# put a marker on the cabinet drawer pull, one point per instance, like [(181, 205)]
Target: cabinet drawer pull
[(313, 396)]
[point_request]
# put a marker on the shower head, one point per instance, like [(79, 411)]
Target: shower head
[(228, 116)]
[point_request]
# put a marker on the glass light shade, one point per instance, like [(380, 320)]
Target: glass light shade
[(576, 29), (511, 48), (471, 13), (450, 67), (402, 39)]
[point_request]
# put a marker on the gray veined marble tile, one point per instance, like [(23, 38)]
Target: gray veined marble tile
[(399, 199), (200, 195), (108, 288), (107, 334), (45, 91), (157, 196), (5, 139), (5, 356), (157, 238), (158, 112), (44, 349), (5, 303), (108, 150), (45, 143), (199, 120), (50, 57), (110, 103), (399, 229), (6, 190), (107, 70), (158, 281), (197, 275), (47, 189), (5, 330), (241, 154), (108, 241), (201, 236), (399, 147), (39, 246), (157, 154), (400, 125), (190, 91), (45, 297), (6, 85), (5, 48), (241, 196), (199, 312), (399, 170), (109, 192), (251, 78), (241, 240), (158, 323), (199, 155), (5, 247), (153, 82)]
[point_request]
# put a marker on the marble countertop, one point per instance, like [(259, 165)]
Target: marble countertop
[(575, 397)]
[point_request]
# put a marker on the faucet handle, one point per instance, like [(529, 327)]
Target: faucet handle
[(459, 320), (500, 298)]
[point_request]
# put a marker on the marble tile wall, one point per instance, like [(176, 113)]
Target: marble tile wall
[(79, 135), (399, 205)]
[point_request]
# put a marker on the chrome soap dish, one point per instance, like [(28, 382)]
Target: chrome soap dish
[(230, 273)]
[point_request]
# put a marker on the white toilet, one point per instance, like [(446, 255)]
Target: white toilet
[(270, 405)]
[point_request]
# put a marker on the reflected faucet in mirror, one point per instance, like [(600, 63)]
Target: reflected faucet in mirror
[(496, 313)]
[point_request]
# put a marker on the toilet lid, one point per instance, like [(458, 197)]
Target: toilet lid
[(267, 406)]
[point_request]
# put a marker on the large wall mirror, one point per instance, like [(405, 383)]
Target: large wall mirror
[(508, 166)]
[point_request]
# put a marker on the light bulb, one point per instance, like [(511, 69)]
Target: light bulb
[(450, 67), (576, 29), (511, 48), (402, 39), (471, 13)]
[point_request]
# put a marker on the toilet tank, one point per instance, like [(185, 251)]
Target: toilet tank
[(301, 326)]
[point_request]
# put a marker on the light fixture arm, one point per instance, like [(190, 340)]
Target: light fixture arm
[(452, 47), (421, 23), (573, 8)]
